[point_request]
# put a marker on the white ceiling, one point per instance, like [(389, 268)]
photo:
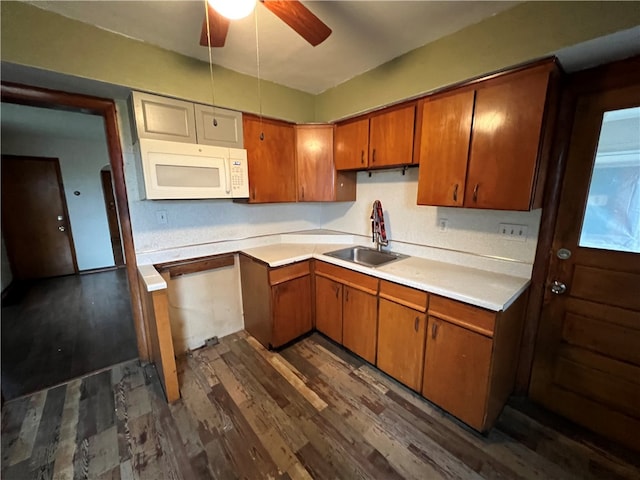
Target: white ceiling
[(365, 34)]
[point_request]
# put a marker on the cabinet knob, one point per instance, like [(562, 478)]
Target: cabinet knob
[(475, 192), (455, 193)]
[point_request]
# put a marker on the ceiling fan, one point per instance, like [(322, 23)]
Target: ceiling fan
[(292, 12)]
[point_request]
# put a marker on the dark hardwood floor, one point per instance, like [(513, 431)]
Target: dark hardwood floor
[(57, 329), (311, 411)]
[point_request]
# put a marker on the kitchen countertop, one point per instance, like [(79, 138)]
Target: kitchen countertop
[(493, 291)]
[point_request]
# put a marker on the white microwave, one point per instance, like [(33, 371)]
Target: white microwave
[(174, 170)]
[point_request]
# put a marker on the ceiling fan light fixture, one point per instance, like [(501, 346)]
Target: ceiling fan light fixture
[(233, 9)]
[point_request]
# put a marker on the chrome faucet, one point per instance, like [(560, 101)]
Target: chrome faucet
[(378, 232)]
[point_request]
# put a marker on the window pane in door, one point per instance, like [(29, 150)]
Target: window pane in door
[(612, 215)]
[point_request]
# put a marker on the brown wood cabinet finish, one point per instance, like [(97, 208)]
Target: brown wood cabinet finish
[(270, 146), (318, 180), (391, 137), (352, 145), (360, 323), (500, 162), (456, 371), (276, 301), (442, 148), (329, 308), (401, 342)]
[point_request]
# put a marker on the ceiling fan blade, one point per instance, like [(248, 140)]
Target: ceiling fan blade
[(300, 18), (218, 28)]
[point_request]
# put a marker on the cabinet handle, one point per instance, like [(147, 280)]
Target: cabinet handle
[(337, 291), (416, 324), (303, 193), (475, 192), (434, 330), (455, 193), (362, 157), (373, 156)]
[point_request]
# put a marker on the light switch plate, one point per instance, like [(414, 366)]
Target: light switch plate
[(443, 224)]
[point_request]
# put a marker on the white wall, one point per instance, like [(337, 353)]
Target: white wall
[(80, 162), (469, 230)]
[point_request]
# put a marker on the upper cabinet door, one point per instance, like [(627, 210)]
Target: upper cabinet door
[(507, 133), (314, 156), (352, 145), (218, 126), (271, 158), (442, 145), (391, 137), (163, 118)]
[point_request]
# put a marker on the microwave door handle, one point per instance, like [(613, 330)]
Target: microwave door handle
[(227, 174)]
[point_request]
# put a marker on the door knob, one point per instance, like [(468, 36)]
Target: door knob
[(558, 287), (61, 228)]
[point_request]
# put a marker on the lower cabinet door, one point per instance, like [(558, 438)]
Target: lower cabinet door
[(359, 323), (401, 332), (329, 308), (291, 310), (456, 371)]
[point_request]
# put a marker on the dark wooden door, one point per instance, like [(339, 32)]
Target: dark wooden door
[(401, 340), (443, 148), (112, 216), (391, 137), (35, 221), (352, 145), (587, 360), (271, 154)]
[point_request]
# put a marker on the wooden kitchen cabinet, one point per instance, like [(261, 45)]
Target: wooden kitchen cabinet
[(402, 324), (270, 148), (329, 308), (352, 144), (379, 140), (276, 301), (471, 358), (486, 145), (347, 300), (360, 322), (317, 178), (391, 137)]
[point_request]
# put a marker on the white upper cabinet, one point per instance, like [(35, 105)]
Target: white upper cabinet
[(163, 118)]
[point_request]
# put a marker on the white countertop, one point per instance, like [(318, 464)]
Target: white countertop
[(493, 291)]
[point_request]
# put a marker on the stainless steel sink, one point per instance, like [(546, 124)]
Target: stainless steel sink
[(365, 256)]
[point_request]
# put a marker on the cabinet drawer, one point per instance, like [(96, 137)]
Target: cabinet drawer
[(288, 272), (407, 296), (473, 318), (359, 281)]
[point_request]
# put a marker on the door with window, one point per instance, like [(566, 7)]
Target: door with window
[(587, 360)]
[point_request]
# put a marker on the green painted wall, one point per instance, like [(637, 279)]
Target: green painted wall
[(525, 32), (37, 38)]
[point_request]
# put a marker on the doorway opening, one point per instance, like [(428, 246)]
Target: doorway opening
[(106, 300)]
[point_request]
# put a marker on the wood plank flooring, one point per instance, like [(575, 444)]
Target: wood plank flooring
[(61, 328), (311, 411)]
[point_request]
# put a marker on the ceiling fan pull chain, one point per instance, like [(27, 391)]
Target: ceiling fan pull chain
[(255, 16), (213, 94)]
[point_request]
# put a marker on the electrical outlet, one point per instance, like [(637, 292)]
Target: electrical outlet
[(443, 224), (161, 217), (512, 231)]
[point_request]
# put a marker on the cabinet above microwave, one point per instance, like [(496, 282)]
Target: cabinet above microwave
[(164, 118), (174, 170)]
